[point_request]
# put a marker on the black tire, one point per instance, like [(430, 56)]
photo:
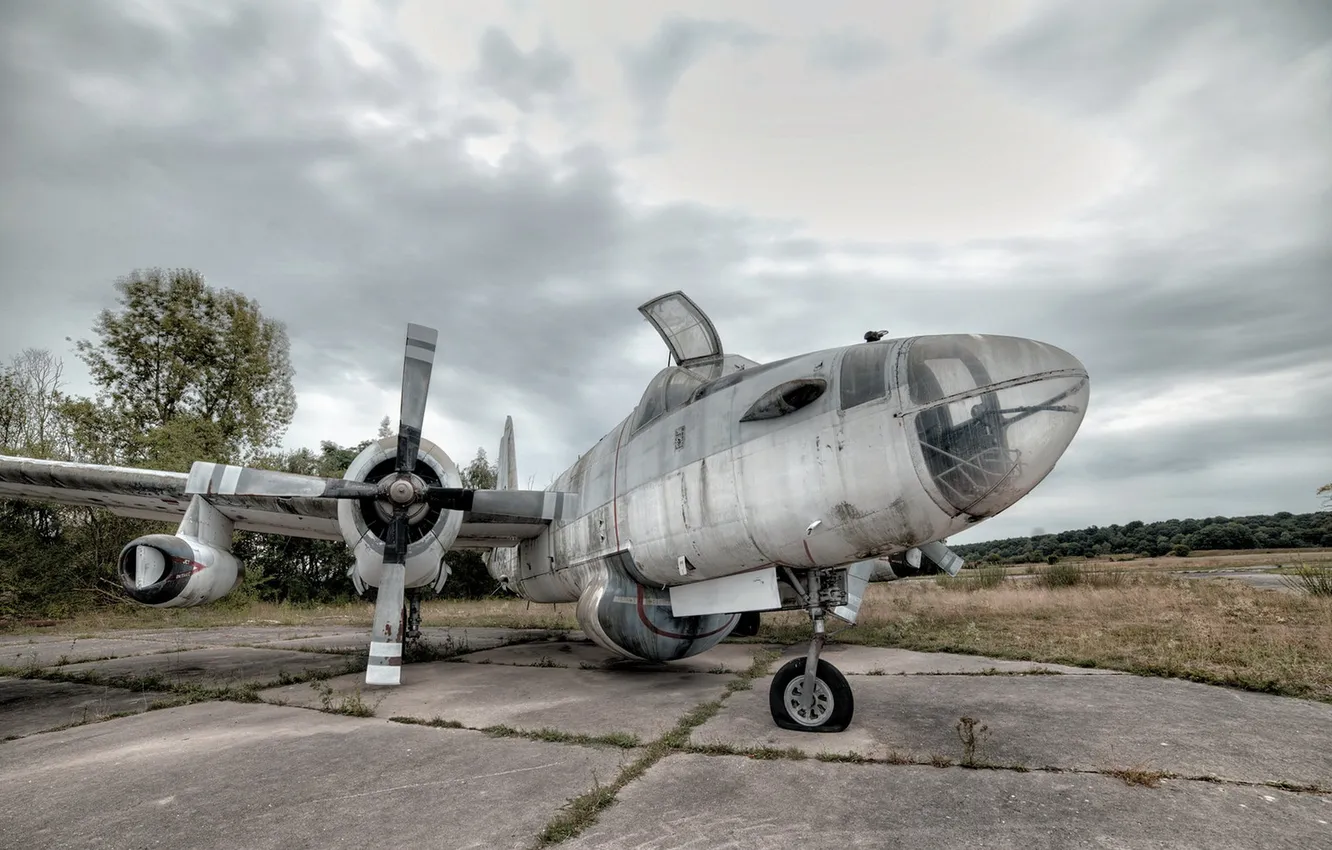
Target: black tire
[(748, 625), (830, 684)]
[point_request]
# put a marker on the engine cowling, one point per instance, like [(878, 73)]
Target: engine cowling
[(623, 616), (430, 532), (171, 571), (894, 567)]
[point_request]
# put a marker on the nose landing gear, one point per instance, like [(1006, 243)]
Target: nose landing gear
[(809, 694)]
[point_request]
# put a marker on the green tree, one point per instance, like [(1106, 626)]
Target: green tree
[(468, 577), (30, 400), (204, 362)]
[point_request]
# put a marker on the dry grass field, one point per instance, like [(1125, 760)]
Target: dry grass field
[(1125, 615), (1228, 634), (1221, 560)]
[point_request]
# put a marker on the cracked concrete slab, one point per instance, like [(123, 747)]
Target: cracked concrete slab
[(28, 706), (219, 665), (8, 640), (225, 775), (52, 653), (723, 658), (238, 635), (734, 802), (643, 703), (205, 775), (1071, 722), (854, 660)]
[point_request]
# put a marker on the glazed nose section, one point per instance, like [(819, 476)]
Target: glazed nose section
[(992, 415)]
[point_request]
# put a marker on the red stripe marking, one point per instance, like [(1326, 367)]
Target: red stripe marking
[(809, 554), (642, 615), (194, 566)]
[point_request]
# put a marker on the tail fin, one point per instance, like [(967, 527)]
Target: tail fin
[(506, 476)]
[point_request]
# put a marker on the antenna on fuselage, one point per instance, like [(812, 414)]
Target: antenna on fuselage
[(875, 336)]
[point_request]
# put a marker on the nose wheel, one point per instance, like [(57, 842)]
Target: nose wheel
[(809, 694)]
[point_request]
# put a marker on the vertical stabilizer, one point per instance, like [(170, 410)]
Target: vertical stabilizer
[(502, 562), (506, 477)]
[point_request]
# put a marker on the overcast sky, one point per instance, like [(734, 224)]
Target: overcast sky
[(1145, 184)]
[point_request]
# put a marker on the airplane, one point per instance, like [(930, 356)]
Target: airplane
[(732, 488)]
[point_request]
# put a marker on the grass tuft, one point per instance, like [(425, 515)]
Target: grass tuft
[(1138, 776), (1311, 579)]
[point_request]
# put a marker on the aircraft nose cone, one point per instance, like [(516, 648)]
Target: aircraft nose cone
[(991, 416)]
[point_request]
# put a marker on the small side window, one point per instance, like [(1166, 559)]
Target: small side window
[(864, 374)]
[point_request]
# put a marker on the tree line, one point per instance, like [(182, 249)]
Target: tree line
[(183, 371), (1154, 539)]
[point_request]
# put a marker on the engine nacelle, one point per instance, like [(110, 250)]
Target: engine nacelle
[(900, 565), (622, 616), (430, 532), (170, 571)]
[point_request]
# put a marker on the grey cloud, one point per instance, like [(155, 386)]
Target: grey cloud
[(1097, 57), (847, 51), (1197, 447), (654, 69), (261, 174), (940, 36), (243, 142), (521, 77)]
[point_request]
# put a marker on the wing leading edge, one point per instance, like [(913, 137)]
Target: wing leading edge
[(157, 495)]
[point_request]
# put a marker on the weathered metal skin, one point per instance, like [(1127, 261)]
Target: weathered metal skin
[(970, 422), (432, 532), (194, 574)]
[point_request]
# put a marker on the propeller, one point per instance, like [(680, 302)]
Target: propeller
[(401, 490)]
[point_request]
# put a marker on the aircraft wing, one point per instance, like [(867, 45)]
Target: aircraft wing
[(157, 495)]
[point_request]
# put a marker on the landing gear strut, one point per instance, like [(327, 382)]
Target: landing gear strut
[(411, 620), (809, 694)]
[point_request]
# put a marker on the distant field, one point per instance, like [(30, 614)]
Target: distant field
[(1144, 622), (1228, 634), (1221, 560)]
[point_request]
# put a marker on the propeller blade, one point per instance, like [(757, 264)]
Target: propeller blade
[(222, 479), (418, 358), (532, 504), (384, 666)]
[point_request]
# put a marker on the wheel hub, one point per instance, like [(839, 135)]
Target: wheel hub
[(820, 707)]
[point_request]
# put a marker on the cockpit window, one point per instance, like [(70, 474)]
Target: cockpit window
[(864, 374), (672, 388), (942, 367)]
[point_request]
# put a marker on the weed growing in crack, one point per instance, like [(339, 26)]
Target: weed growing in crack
[(973, 739), (352, 705), (852, 757), (1138, 776)]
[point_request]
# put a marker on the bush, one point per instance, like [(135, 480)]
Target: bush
[(1060, 575), (1313, 580), (1179, 550), (1051, 559), (990, 575)]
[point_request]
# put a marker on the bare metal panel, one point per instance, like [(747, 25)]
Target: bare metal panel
[(752, 591)]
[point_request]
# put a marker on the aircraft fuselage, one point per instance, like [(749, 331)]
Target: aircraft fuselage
[(819, 460)]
